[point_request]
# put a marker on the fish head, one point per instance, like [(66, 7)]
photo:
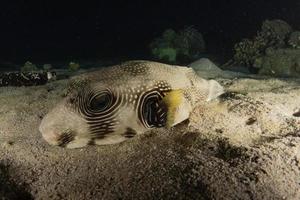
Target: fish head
[(92, 113)]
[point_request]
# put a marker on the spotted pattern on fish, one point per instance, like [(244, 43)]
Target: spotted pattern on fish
[(116, 103)]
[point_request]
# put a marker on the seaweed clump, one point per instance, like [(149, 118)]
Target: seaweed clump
[(172, 46)]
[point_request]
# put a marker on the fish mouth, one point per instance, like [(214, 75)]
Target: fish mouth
[(63, 127)]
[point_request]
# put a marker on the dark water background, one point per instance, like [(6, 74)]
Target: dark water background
[(60, 31)]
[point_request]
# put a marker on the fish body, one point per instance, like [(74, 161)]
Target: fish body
[(116, 103)]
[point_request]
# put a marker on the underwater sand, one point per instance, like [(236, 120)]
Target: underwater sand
[(246, 147)]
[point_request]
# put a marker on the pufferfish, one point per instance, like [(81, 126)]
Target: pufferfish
[(116, 103)]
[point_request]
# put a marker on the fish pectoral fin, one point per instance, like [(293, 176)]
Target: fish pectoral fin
[(178, 109), (214, 90)]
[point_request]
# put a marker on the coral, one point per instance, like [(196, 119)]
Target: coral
[(29, 67), (167, 39), (171, 46), (29, 78), (47, 67), (165, 54), (190, 42), (247, 51), (169, 36), (273, 34), (294, 40), (279, 62), (74, 66)]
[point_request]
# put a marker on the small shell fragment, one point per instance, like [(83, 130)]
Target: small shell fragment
[(251, 121), (297, 113)]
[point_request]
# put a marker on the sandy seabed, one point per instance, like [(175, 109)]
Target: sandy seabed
[(247, 146)]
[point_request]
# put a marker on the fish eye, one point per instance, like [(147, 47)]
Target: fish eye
[(100, 102)]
